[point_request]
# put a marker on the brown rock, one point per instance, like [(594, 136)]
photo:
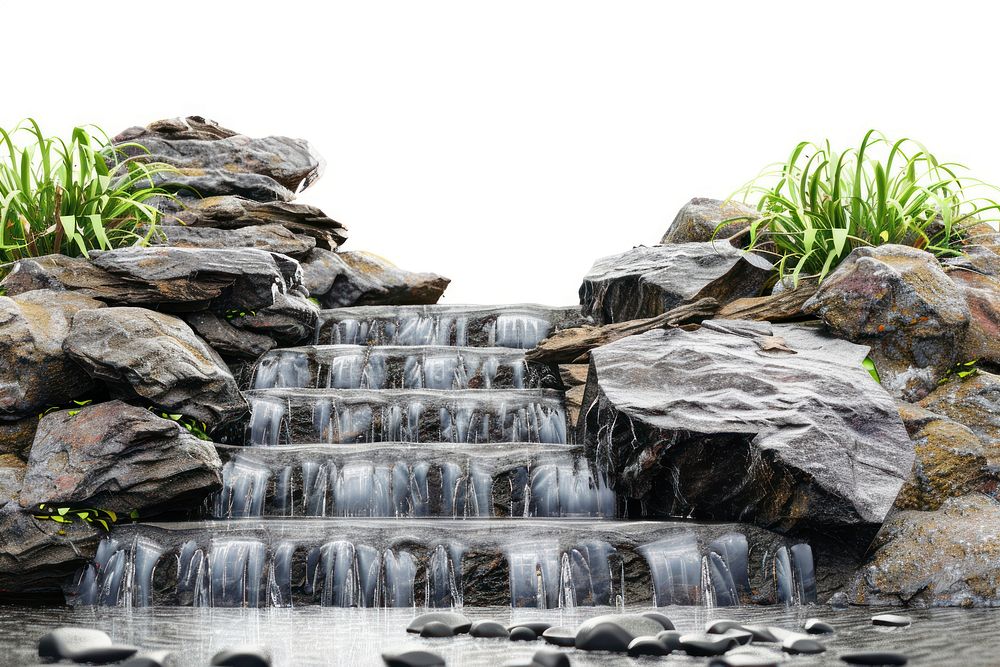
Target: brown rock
[(272, 238), (365, 279), (982, 295), (699, 220), (17, 435), (40, 556), (973, 401)]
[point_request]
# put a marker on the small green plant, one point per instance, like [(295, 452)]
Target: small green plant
[(235, 313), (869, 366), (820, 204), (62, 513), (73, 197), (196, 428), (960, 371), (73, 411)]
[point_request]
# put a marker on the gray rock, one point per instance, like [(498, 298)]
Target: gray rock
[(488, 630), (118, 457), (648, 281), (35, 373), (549, 658), (247, 656), (981, 292), (272, 238), (538, 627), (153, 659), (457, 622), (748, 656), (35, 558), (17, 435), (436, 629), (802, 645), (412, 659), (891, 620), (815, 626), (748, 421), (523, 634), (700, 219), (662, 619), (614, 632), (973, 401), (11, 478), (560, 635), (898, 301), (156, 357), (226, 339), (874, 658), (66, 643), (289, 320), (706, 645), (365, 279), (647, 646)]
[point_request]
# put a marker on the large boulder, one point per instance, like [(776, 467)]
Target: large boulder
[(272, 238), (702, 219), (158, 358), (365, 279), (118, 457), (647, 281), (951, 461), (981, 292), (898, 301), (973, 401), (212, 160), (737, 420), (932, 559), (39, 556), (35, 373)]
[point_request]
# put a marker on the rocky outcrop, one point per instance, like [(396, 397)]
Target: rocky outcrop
[(647, 281), (39, 556), (702, 219), (929, 559), (290, 320), (272, 238), (226, 339), (11, 478), (574, 379), (951, 461), (737, 420), (35, 373), (982, 295), (114, 456), (898, 301), (364, 279), (158, 358), (212, 160), (17, 435), (973, 401)]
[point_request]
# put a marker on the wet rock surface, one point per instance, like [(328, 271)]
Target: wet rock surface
[(701, 219), (242, 657), (898, 301), (614, 632), (37, 557), (272, 238), (973, 401), (364, 279), (227, 339), (648, 281)]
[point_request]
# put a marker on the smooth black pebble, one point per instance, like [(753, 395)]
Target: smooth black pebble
[(647, 646), (538, 627), (523, 634), (560, 635), (151, 659), (706, 645), (436, 629), (489, 630), (802, 645), (874, 658), (660, 618), (722, 626), (814, 626), (242, 657), (458, 623), (671, 639), (104, 655), (549, 658), (891, 620), (413, 659), (67, 642)]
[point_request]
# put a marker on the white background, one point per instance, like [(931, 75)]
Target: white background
[(507, 145)]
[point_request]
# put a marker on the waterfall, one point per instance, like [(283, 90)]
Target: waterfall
[(444, 577), (675, 566), (119, 576)]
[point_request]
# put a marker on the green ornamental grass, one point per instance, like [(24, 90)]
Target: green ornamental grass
[(820, 204), (72, 197)]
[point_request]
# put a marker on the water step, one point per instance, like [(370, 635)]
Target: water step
[(443, 563), (410, 480), (338, 416), (515, 326), (401, 367)]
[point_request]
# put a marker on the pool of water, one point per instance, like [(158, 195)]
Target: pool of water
[(333, 636)]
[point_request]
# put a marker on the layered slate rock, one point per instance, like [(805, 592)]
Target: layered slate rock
[(364, 279), (119, 457), (898, 301), (39, 556), (156, 357), (272, 238), (241, 213), (950, 461), (738, 420), (227, 339), (701, 219), (648, 281), (942, 558), (35, 373), (212, 160), (973, 401), (290, 320)]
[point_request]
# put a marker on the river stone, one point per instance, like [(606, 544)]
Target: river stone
[(549, 658), (226, 339), (973, 401), (35, 373), (412, 659), (119, 457), (802, 645), (930, 559), (489, 630), (153, 659), (157, 357), (436, 629), (66, 643), (225, 163), (796, 432), (614, 632), (229, 212), (662, 619), (457, 622), (670, 639), (950, 460), (898, 301), (815, 626), (707, 645), (647, 646), (648, 281), (365, 279), (748, 656), (700, 219), (248, 656), (35, 558), (891, 620), (561, 635), (272, 238), (874, 658)]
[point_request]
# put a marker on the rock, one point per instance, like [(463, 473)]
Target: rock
[(802, 645), (412, 659), (248, 656), (891, 620), (662, 619), (153, 659), (700, 220), (973, 401), (225, 163), (66, 643), (874, 658), (614, 632), (934, 559), (982, 296), (538, 627), (489, 630), (271, 238), (436, 629), (898, 301), (549, 658), (574, 378), (118, 457), (782, 306), (951, 460), (707, 645), (826, 443), (761, 633), (814, 626), (838, 601), (35, 373), (16, 436), (747, 656), (523, 634), (230, 212), (226, 339), (11, 478), (364, 279), (289, 321), (457, 622), (722, 626), (647, 646), (670, 639), (156, 357), (560, 635), (39, 556), (104, 655), (648, 281)]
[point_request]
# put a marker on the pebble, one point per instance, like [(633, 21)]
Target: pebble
[(671, 639), (104, 655), (798, 645), (706, 645), (749, 656), (489, 630), (562, 635), (659, 618), (523, 634), (814, 626), (247, 656), (67, 642), (614, 632), (457, 622), (762, 633), (647, 646), (413, 659), (891, 620), (838, 601), (549, 658), (721, 626), (152, 659), (743, 637), (874, 658), (538, 627), (436, 629)]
